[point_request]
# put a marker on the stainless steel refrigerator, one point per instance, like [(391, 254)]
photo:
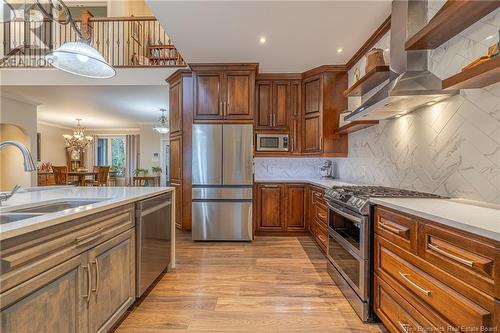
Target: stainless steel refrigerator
[(222, 182)]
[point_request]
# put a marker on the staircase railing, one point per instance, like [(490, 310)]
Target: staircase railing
[(123, 41)]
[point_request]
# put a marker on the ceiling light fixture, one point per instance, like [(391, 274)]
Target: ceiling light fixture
[(430, 103), (7, 13), (262, 40), (489, 37), (78, 141), (162, 126), (340, 50), (79, 57), (398, 116)]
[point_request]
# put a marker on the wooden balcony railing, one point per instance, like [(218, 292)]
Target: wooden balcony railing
[(123, 41)]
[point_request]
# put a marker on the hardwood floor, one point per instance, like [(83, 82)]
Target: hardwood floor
[(274, 284)]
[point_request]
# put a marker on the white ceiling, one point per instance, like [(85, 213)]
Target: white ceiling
[(300, 34), (98, 106)]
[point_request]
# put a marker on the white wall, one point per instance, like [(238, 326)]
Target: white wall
[(150, 144), (53, 149), (22, 115)]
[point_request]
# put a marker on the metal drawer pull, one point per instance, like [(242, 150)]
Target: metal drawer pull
[(405, 277), (436, 248), (89, 281), (97, 276), (403, 326), (389, 228)]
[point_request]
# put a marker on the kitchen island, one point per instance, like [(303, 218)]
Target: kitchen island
[(68, 257)]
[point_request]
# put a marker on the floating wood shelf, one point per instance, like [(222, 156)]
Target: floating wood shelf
[(480, 76), (371, 79), (451, 19), (356, 125)]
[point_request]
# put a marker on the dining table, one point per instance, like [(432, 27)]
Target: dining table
[(82, 175)]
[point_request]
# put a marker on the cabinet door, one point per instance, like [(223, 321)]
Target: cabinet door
[(312, 95), (270, 207), (281, 104), (178, 204), (264, 104), (312, 134), (54, 301), (295, 219), (208, 96), (112, 266), (238, 96), (175, 158), (296, 116), (175, 109)]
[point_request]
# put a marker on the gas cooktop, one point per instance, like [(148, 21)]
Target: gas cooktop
[(357, 198)]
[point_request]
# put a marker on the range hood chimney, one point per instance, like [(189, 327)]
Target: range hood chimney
[(411, 85)]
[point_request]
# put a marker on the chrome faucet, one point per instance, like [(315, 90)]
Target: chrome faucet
[(29, 165)]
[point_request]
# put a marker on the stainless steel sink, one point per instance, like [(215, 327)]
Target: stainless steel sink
[(56, 206), (13, 217)]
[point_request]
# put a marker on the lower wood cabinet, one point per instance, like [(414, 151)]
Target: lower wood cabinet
[(88, 292), (280, 207), (433, 278)]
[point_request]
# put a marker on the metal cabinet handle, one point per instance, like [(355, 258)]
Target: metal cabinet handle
[(89, 281), (97, 276), (436, 248), (403, 326), (392, 229), (422, 290)]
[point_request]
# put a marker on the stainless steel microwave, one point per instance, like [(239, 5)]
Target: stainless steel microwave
[(272, 142)]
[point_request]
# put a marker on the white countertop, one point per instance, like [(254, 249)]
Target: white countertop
[(114, 197), (325, 183), (474, 217)]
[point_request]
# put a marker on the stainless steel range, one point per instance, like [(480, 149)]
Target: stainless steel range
[(350, 235)]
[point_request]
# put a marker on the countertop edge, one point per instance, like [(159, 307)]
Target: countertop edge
[(441, 220), (105, 205)]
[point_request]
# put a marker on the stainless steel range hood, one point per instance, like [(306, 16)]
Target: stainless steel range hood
[(411, 85)]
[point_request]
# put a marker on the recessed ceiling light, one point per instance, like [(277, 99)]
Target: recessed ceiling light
[(430, 103), (340, 50), (489, 37), (398, 115), (262, 40)]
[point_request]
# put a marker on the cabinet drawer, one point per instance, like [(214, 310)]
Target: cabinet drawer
[(465, 256), (398, 228), (317, 196), (458, 309), (320, 213), (396, 313), (28, 255), (320, 233)]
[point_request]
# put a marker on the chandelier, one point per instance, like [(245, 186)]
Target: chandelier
[(162, 126), (78, 141)]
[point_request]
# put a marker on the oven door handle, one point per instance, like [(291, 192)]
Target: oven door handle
[(346, 215)]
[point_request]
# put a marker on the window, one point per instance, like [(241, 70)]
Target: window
[(111, 151)]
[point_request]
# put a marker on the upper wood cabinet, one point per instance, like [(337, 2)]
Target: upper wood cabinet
[(224, 92), (175, 108), (322, 90)]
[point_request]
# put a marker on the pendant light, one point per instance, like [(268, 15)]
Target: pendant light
[(79, 57), (162, 126), (7, 13)]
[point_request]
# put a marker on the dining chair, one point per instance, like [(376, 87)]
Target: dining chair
[(93, 181), (101, 178), (61, 175)]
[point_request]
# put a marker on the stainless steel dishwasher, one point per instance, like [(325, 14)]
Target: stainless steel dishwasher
[(153, 239)]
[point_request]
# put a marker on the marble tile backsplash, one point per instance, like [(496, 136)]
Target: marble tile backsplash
[(287, 168), (451, 148)]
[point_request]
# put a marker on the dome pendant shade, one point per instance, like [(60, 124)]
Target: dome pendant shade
[(7, 13), (80, 58)]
